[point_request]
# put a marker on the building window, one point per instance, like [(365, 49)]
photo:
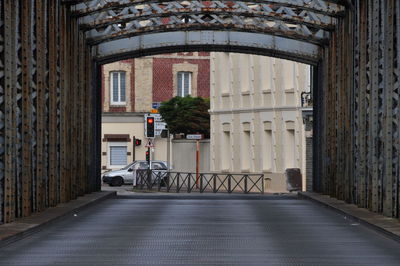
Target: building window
[(117, 154), (118, 88), (290, 156), (245, 151), (267, 151), (184, 84), (226, 151)]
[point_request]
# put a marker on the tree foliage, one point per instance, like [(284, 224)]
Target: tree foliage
[(187, 115)]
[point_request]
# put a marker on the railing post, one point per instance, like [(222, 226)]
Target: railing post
[(159, 181), (148, 179), (137, 177), (188, 176), (178, 175), (262, 186), (201, 183), (141, 179), (245, 184), (168, 184), (229, 184), (215, 183)]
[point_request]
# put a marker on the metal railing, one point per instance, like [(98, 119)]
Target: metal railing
[(205, 182)]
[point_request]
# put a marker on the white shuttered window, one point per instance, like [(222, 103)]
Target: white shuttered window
[(118, 87), (184, 84), (117, 154)]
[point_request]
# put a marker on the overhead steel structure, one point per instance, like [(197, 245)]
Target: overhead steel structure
[(50, 52)]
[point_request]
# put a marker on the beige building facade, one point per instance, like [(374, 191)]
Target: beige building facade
[(256, 118)]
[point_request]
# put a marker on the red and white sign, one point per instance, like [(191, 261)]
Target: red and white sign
[(150, 143)]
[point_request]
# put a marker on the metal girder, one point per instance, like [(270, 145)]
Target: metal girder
[(358, 135), (329, 8), (212, 40), (43, 116), (126, 20), (2, 121), (205, 14)]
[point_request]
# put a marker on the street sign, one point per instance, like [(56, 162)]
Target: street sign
[(150, 143), (194, 136), (156, 105)]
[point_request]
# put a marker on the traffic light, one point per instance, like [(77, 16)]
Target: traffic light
[(150, 127), (138, 142), (148, 156)]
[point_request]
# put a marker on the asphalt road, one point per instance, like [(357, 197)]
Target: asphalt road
[(204, 230)]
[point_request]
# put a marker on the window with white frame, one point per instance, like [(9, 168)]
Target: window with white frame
[(117, 154), (184, 84), (118, 87)]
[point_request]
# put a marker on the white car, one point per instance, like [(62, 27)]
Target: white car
[(127, 175)]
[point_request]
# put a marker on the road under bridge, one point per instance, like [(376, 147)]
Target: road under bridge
[(51, 51), (204, 230)]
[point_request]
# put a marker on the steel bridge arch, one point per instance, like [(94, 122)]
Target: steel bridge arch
[(294, 30)]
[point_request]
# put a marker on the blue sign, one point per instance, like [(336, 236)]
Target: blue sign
[(156, 105)]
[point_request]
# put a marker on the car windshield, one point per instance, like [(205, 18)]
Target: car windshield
[(128, 166)]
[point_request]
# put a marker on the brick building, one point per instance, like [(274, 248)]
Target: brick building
[(131, 88)]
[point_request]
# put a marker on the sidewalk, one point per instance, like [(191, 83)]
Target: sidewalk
[(26, 226), (383, 224)]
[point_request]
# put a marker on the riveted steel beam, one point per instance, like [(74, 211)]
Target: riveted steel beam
[(146, 18), (2, 121), (9, 104), (396, 123), (62, 99), (314, 21), (26, 39), (328, 8), (53, 59), (362, 105), (303, 34), (41, 103), (212, 40)]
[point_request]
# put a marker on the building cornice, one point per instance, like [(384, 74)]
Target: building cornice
[(255, 110), (180, 57), (126, 117)]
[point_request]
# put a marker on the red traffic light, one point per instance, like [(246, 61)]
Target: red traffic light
[(150, 127), (138, 142)]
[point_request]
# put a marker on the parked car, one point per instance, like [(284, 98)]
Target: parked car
[(127, 175)]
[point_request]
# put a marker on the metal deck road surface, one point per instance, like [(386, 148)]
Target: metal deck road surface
[(221, 230)]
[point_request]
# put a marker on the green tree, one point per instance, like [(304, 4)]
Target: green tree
[(187, 115)]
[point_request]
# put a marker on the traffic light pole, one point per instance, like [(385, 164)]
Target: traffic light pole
[(134, 149), (168, 152), (197, 162), (148, 159)]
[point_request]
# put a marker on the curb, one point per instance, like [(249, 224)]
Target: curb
[(391, 223), (55, 213)]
